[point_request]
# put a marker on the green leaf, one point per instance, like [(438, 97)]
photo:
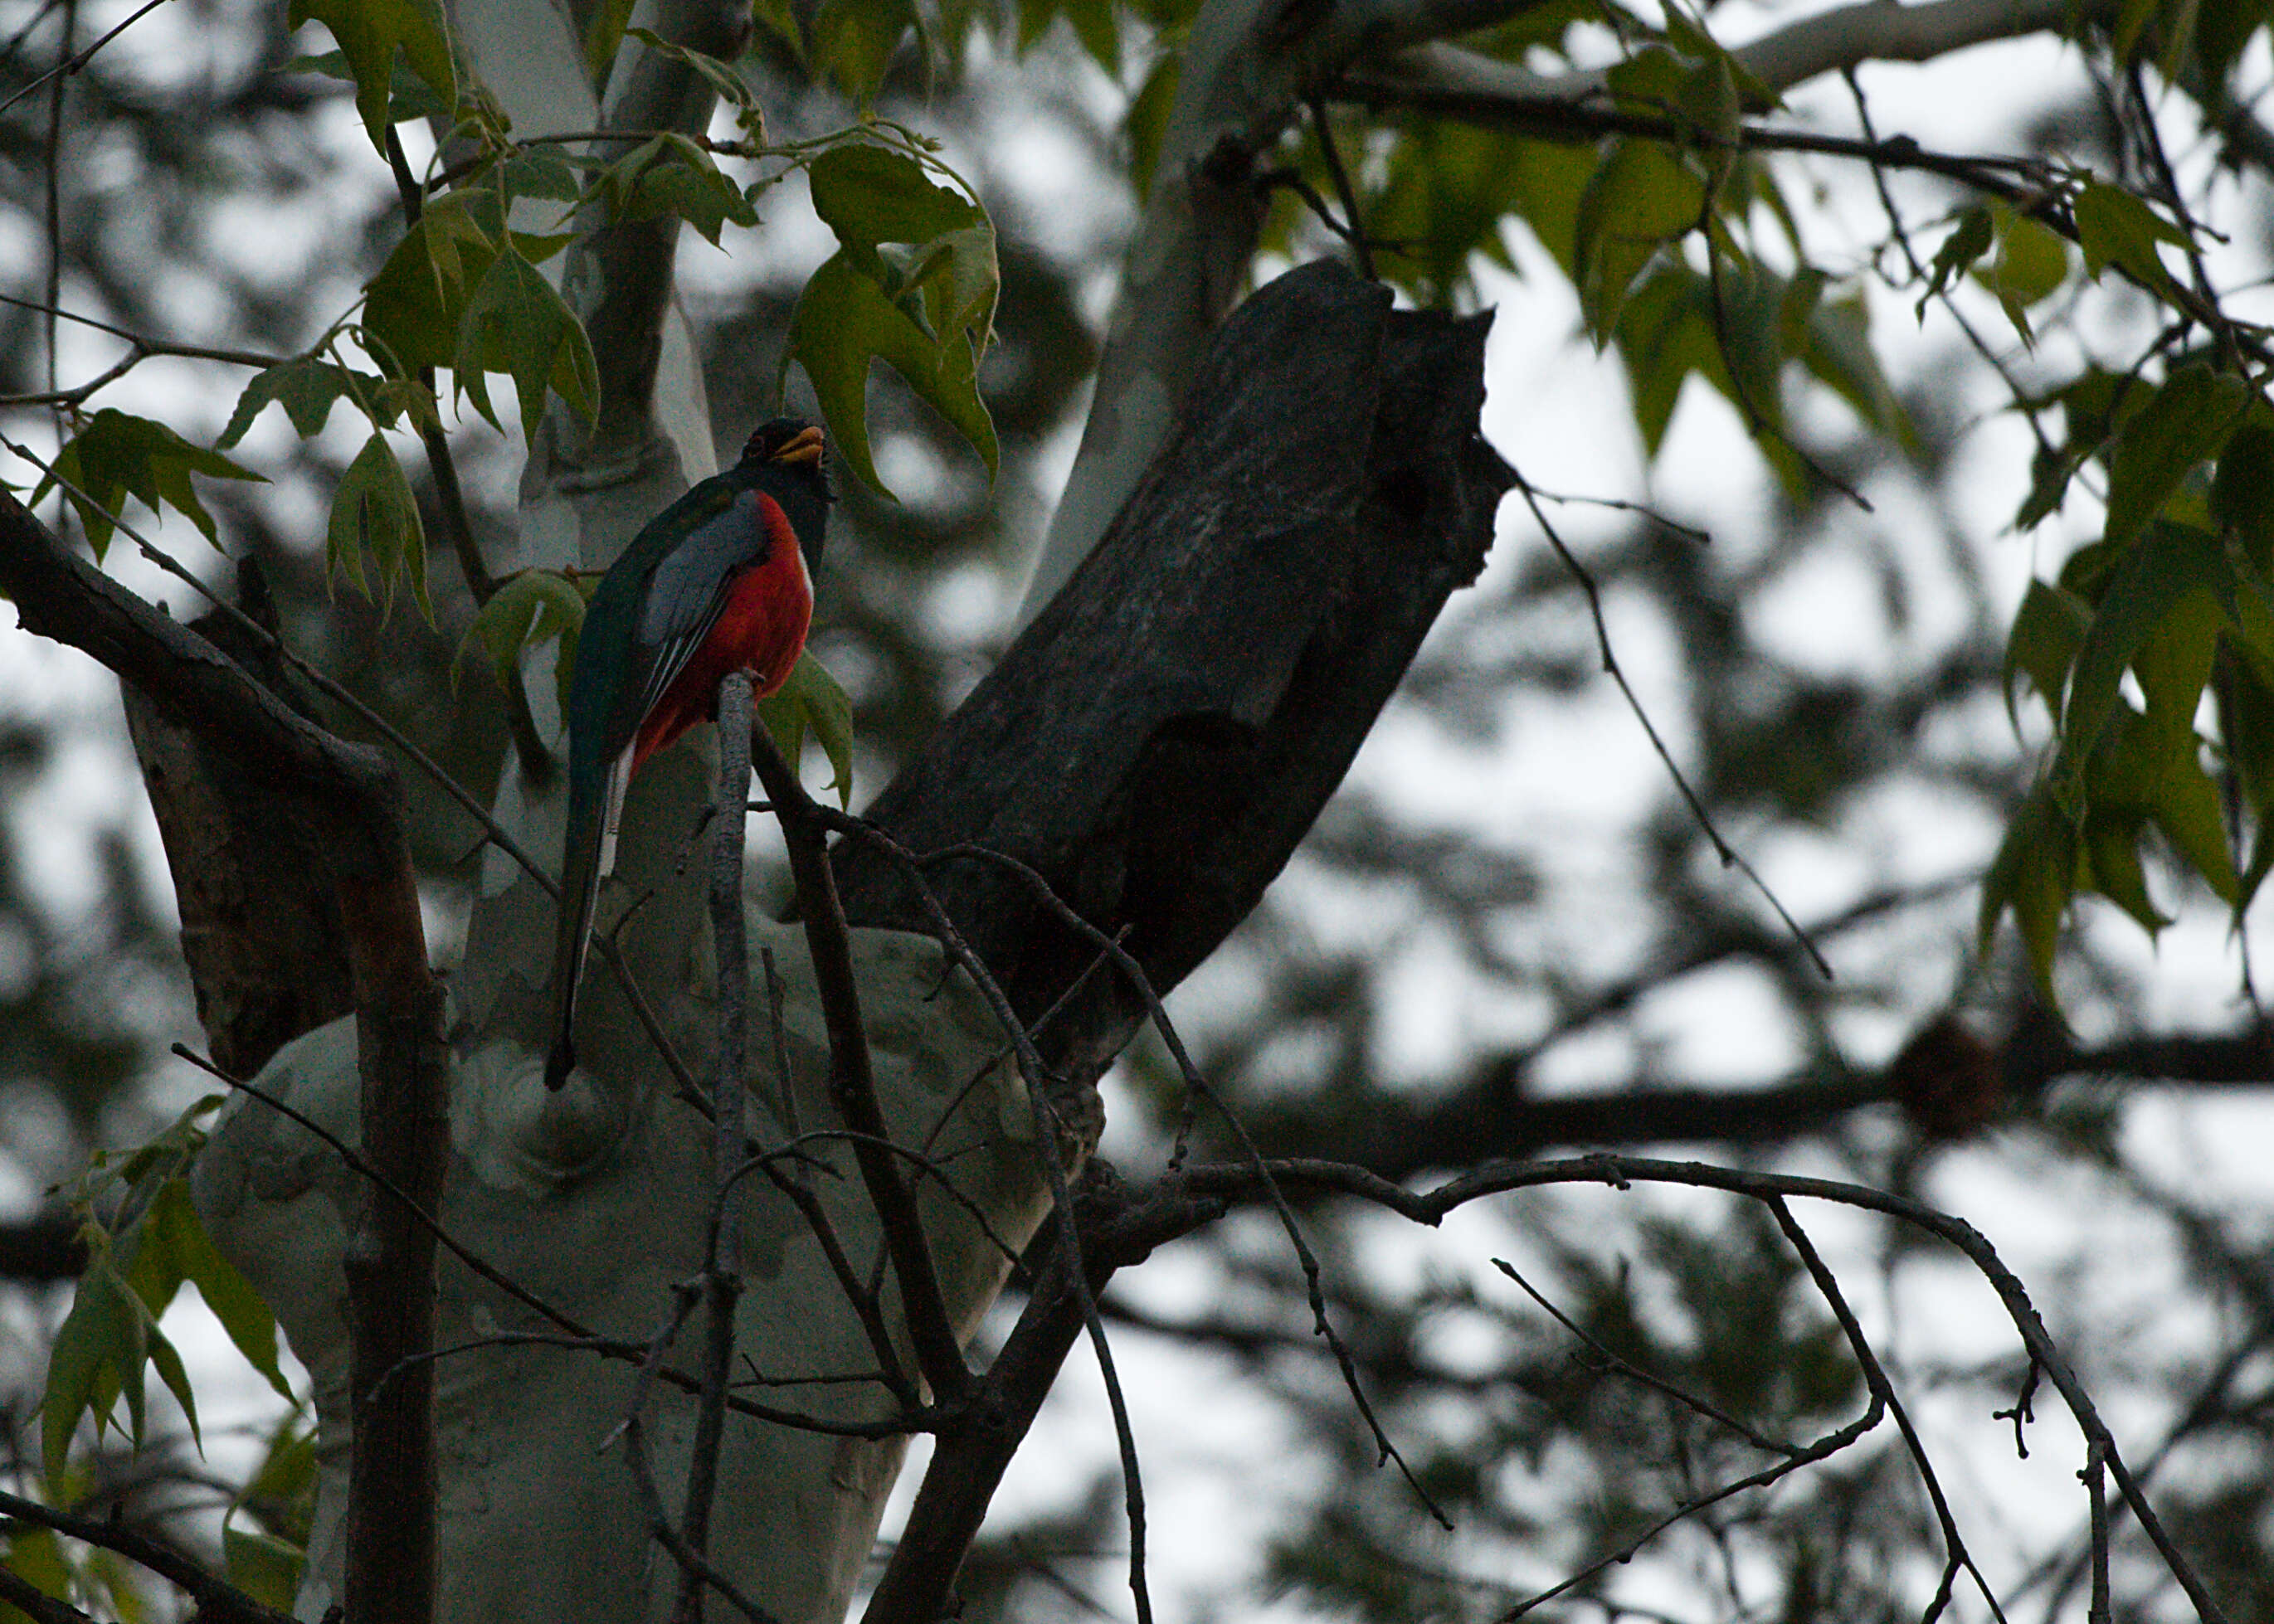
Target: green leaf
[(2033, 876), (171, 1246), (1967, 241), (1666, 335), (2187, 421), (413, 306), (725, 82), (2146, 770), (369, 33), (2131, 18), (1639, 198), (167, 1362), (2030, 264), (671, 175), (2173, 583), (1835, 346), (1689, 37), (853, 40), (2242, 492), (1708, 97), (2110, 865), (871, 194), (36, 1556), (843, 323), (2246, 722), (531, 607), (2115, 228), (98, 1356), (117, 456), (780, 20), (1448, 194), (541, 172), (603, 34), (914, 284), (2187, 810), (1099, 29), (1650, 80), (812, 698), (2050, 473), (2179, 34), (308, 387), (265, 1567), (375, 518), (2048, 630), (516, 323)]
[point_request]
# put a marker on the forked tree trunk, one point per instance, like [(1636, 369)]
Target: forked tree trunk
[(1154, 746)]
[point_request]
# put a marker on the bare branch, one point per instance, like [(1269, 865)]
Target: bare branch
[(852, 1083), (722, 1278), (1430, 1207), (1955, 1555), (220, 1600)]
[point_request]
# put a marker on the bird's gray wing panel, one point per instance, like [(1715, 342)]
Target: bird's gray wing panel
[(684, 591), (686, 595)]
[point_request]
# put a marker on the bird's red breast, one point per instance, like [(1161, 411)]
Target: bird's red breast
[(761, 631)]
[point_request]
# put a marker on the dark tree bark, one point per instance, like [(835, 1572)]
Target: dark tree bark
[(261, 920), (1162, 737), (350, 800)]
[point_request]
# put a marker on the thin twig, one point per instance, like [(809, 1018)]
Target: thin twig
[(1629, 1368), (1046, 1127), (578, 1335), (2095, 1489), (1360, 250), (852, 1081), (53, 166), (1920, 274), (1956, 1555), (146, 346), (360, 1165), (495, 831), (1196, 1081), (1758, 421), (223, 1599), (72, 64), (1823, 1448), (1619, 504), (634, 1432), (1432, 1207), (1729, 854)]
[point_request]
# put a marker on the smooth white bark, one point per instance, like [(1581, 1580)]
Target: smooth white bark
[(596, 1198), (539, 1524)]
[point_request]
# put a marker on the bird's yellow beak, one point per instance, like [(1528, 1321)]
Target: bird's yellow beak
[(805, 448)]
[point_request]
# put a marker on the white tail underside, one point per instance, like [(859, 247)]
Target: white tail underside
[(612, 815)]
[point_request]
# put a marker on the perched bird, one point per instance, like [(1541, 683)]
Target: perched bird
[(720, 581)]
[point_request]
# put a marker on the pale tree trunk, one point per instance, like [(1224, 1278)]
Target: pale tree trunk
[(1332, 445)]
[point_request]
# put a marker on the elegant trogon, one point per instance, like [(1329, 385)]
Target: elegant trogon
[(720, 581)]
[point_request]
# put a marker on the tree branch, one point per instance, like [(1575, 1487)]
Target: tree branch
[(352, 795), (1245, 1181), (722, 1265), (975, 1449), (215, 1598), (851, 1083)]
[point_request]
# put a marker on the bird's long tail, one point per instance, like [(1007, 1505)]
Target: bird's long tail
[(588, 853)]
